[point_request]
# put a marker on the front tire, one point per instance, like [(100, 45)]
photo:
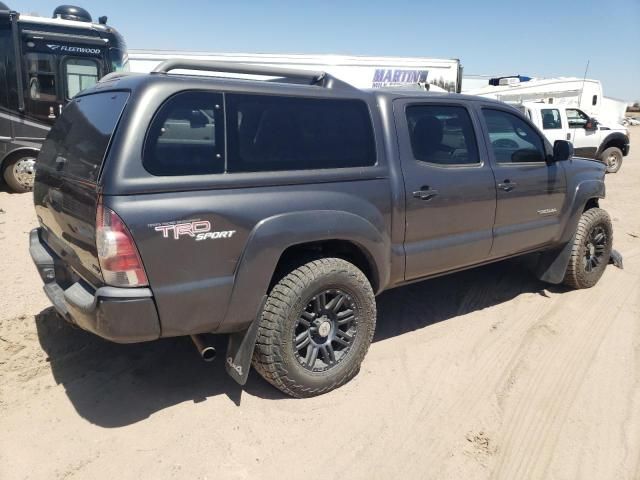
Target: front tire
[(612, 158), (591, 249), (19, 173), (316, 328)]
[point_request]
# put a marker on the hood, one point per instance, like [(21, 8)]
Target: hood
[(612, 126), (588, 165)]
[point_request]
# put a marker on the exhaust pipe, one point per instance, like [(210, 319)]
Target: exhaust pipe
[(207, 352)]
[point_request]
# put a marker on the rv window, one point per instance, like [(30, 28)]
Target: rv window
[(119, 60), (7, 75), (80, 73), (42, 77), (594, 100), (551, 119)]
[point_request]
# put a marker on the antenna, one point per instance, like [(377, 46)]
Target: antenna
[(583, 81)]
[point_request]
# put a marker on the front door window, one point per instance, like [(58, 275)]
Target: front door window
[(577, 118)]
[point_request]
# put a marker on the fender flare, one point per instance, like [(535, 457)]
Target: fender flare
[(552, 264), (614, 136), (273, 235)]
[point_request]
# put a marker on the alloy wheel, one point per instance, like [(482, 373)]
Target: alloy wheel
[(325, 330)]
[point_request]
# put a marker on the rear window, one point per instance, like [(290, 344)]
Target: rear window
[(78, 142), (270, 133)]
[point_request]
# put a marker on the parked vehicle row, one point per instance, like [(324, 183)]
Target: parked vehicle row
[(590, 138), (275, 211)]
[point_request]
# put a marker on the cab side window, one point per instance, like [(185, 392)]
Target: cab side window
[(576, 118), (512, 139), (551, 119), (442, 135)]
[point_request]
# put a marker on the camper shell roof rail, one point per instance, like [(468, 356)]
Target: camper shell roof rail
[(311, 77), (115, 75)]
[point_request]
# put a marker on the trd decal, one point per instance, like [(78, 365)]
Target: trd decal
[(198, 229)]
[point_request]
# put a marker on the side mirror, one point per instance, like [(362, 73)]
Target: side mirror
[(562, 150), (591, 125)]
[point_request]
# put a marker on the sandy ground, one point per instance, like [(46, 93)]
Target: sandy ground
[(483, 374)]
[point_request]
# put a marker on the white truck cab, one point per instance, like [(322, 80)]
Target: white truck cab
[(590, 138)]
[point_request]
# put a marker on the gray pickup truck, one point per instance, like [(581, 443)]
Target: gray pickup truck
[(275, 210)]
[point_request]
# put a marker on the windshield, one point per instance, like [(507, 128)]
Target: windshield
[(119, 60)]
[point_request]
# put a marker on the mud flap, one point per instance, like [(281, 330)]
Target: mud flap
[(616, 259), (552, 264), (240, 349)]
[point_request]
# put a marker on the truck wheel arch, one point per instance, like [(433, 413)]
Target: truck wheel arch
[(17, 152), (552, 264), (587, 194), (614, 139), (273, 237)]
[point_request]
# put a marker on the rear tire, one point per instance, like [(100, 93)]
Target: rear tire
[(591, 249), (19, 172), (316, 328), (612, 158)]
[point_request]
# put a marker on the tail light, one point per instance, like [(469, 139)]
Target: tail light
[(119, 258)]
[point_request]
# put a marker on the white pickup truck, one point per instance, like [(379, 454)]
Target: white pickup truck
[(590, 138)]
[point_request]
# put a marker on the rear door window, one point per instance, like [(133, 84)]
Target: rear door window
[(272, 133), (551, 118), (78, 142), (442, 135), (186, 136)]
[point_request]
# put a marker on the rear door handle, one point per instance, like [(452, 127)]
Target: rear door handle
[(425, 193), (507, 186)]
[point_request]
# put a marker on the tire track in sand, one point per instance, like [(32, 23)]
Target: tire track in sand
[(533, 425)]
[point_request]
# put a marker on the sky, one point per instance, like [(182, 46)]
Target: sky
[(537, 38)]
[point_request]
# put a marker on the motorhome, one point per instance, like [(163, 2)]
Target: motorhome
[(359, 71), (44, 62), (585, 94)]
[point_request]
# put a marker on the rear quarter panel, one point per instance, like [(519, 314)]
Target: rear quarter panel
[(192, 280)]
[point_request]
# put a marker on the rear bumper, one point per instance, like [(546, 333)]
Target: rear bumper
[(123, 315)]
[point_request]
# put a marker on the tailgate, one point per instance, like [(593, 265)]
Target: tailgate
[(67, 171)]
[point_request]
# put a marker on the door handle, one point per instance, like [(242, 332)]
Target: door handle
[(425, 193), (507, 186)]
